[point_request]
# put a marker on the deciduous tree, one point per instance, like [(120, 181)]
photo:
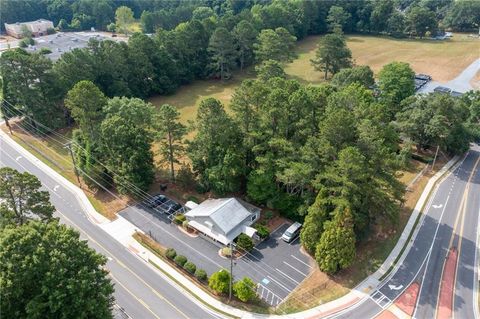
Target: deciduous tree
[(48, 272)]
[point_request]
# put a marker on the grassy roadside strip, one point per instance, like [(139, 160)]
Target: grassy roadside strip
[(139, 239), (66, 173), (412, 231)]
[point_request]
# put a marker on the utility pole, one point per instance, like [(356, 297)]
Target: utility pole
[(231, 273), (435, 158), (69, 146)]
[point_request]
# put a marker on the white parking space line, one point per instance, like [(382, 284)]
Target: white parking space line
[(300, 272), (293, 241), (278, 283), (301, 261), (287, 276), (273, 300)]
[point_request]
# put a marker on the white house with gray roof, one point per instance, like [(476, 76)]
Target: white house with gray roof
[(224, 219)]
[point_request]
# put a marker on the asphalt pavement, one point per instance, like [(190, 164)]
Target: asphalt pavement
[(450, 221), (139, 289)]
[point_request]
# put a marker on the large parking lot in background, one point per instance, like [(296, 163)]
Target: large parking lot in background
[(276, 266)]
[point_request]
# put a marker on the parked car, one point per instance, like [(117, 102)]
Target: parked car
[(173, 209), (292, 232), (155, 201)]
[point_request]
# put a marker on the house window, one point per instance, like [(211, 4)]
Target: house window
[(254, 216)]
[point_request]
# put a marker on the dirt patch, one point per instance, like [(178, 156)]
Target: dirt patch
[(475, 82)]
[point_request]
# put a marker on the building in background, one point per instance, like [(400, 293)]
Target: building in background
[(36, 28)]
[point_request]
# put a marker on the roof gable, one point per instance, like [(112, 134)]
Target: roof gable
[(226, 213)]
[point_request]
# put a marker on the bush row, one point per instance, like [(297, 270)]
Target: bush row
[(182, 261)]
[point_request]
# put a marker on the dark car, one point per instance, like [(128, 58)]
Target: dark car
[(173, 209), (155, 201)]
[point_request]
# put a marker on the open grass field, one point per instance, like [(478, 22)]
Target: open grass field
[(443, 60)]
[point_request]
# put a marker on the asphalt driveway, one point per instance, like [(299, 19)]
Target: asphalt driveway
[(277, 267)]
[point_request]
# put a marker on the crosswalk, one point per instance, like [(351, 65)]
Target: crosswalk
[(380, 299), (267, 295)]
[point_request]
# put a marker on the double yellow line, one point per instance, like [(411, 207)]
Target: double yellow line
[(132, 272)]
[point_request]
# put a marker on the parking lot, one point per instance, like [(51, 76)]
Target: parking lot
[(276, 266)]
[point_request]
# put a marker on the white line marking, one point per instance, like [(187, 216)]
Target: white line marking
[(302, 262), (278, 283), (18, 158), (287, 276), (56, 187), (295, 269)]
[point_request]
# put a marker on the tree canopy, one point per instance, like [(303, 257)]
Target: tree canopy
[(21, 198), (48, 272), (332, 55)]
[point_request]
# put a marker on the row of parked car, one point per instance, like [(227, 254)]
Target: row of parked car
[(421, 80), (162, 204)]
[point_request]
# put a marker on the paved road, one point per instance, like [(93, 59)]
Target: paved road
[(460, 84), (450, 222), (139, 289), (277, 267)]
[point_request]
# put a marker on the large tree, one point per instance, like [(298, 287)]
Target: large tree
[(124, 19), (86, 102), (358, 74), (126, 143), (216, 158), (222, 53), (21, 198), (337, 18), (336, 247), (245, 35), (332, 55), (275, 44), (30, 85), (396, 82), (421, 20), (170, 133), (48, 272)]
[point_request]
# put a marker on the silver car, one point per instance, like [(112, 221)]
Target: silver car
[(292, 232)]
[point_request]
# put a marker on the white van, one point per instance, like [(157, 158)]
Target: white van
[(292, 232)]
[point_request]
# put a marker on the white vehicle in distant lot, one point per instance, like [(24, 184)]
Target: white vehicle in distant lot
[(292, 232)]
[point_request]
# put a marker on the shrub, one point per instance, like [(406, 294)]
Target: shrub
[(201, 274), (50, 31), (262, 231), (226, 251), (171, 253), (244, 289), (185, 224), (220, 281), (180, 260), (179, 219), (190, 267), (45, 51), (244, 242), (268, 215)]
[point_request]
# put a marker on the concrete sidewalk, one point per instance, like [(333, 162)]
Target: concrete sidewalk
[(122, 230)]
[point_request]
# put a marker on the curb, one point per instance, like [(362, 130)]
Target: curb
[(183, 284)]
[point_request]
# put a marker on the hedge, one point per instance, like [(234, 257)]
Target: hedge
[(201, 274), (180, 260), (190, 267), (171, 253)]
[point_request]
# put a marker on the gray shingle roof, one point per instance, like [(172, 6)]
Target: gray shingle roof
[(226, 213)]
